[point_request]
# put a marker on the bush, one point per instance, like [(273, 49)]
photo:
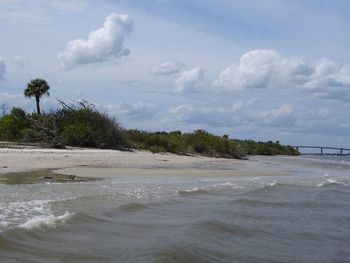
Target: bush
[(82, 125), (13, 124), (198, 142), (75, 124), (157, 149)]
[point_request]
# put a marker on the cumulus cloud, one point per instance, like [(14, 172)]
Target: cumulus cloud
[(214, 116), (167, 68), (282, 116), (259, 69), (185, 80), (133, 110), (190, 80), (256, 117), (2, 69), (103, 45)]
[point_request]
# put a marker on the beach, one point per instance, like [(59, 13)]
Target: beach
[(106, 163)]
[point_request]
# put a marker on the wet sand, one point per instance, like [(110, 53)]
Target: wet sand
[(110, 172)]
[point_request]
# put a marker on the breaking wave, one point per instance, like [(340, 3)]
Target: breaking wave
[(47, 222)]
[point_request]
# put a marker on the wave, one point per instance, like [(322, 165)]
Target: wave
[(218, 227), (272, 186), (282, 205), (195, 190), (331, 182), (13, 213), (230, 185), (185, 252), (132, 207), (47, 222), (260, 203), (214, 189)]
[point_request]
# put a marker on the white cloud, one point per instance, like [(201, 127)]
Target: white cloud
[(103, 45), (190, 80), (133, 110), (282, 116), (214, 116), (2, 69), (259, 69), (255, 117), (186, 80), (167, 68)]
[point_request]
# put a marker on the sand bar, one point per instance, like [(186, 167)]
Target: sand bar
[(106, 163)]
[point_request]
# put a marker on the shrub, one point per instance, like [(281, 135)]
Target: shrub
[(13, 124), (82, 125)]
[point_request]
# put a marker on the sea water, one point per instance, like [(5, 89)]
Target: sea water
[(304, 217)]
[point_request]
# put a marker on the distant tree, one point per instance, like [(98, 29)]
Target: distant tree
[(4, 109), (37, 88)]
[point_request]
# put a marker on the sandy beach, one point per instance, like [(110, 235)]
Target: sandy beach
[(106, 163)]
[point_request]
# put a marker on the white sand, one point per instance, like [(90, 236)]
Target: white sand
[(14, 160), (106, 163)]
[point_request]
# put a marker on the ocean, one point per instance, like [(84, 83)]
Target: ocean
[(304, 217)]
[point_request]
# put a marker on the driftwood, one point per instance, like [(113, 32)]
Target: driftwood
[(55, 143)]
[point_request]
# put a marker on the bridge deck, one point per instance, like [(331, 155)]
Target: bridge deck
[(322, 148)]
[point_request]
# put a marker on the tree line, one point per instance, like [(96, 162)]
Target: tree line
[(81, 124)]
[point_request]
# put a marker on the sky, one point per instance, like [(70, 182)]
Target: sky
[(252, 69)]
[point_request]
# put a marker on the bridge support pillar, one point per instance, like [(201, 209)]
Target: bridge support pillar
[(341, 151), (321, 150)]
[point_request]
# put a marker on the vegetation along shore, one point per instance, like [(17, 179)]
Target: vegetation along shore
[(80, 124)]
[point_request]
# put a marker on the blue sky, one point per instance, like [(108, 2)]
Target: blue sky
[(265, 70)]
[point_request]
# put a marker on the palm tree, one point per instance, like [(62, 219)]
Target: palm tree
[(37, 88)]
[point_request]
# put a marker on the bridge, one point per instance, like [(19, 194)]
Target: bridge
[(341, 151)]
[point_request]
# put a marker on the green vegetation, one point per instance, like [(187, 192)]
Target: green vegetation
[(198, 142), (267, 148), (80, 124), (13, 125), (204, 143)]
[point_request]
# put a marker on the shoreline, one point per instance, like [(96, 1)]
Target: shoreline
[(103, 173), (96, 163)]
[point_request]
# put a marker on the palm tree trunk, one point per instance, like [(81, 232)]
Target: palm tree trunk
[(37, 98)]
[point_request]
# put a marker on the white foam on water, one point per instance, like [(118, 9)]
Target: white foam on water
[(330, 181), (228, 185), (15, 213), (274, 183), (47, 222), (225, 184), (195, 189), (191, 190)]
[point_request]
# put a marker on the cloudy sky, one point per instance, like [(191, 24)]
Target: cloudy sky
[(259, 69)]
